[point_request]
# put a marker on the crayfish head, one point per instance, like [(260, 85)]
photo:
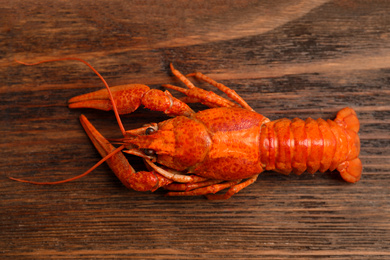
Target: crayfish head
[(178, 143)]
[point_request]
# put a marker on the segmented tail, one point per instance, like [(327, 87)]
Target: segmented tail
[(313, 145)]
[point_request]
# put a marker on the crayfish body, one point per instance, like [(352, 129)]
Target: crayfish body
[(225, 146)]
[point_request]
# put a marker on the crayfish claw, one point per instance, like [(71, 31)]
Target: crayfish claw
[(127, 98), (140, 181)]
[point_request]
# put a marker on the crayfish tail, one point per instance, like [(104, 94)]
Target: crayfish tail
[(313, 145), (351, 171), (347, 118)]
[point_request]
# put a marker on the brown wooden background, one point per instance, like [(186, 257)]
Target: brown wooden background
[(286, 58)]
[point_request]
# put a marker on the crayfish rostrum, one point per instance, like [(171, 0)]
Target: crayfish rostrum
[(226, 146)]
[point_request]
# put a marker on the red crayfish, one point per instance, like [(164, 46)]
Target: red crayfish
[(226, 146)]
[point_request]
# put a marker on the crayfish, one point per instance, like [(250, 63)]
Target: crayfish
[(224, 147)]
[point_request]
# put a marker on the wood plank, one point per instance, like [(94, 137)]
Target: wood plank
[(285, 58)]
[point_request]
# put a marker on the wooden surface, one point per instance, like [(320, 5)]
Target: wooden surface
[(286, 58)]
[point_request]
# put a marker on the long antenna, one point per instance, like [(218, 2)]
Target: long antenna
[(118, 119), (120, 148)]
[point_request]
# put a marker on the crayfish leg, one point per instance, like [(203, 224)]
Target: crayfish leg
[(205, 190), (228, 91), (233, 190), (195, 189), (190, 186), (208, 98)]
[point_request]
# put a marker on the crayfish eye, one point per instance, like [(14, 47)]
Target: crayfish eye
[(149, 131), (149, 152)]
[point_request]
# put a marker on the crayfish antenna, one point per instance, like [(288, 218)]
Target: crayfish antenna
[(118, 119), (105, 158)]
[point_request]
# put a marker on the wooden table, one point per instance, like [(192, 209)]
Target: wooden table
[(290, 59)]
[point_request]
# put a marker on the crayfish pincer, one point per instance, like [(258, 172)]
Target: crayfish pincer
[(224, 147)]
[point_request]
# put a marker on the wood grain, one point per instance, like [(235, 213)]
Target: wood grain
[(290, 59)]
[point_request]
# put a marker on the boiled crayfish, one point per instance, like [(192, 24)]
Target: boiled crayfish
[(226, 146)]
